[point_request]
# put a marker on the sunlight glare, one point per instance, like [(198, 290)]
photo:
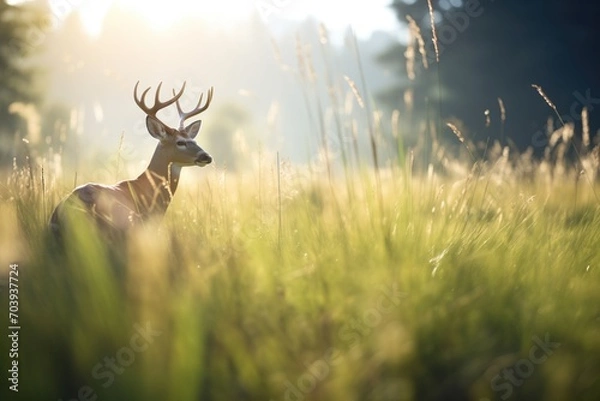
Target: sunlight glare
[(164, 14), (364, 16)]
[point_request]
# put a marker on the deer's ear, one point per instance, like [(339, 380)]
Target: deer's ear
[(156, 128), (193, 129)]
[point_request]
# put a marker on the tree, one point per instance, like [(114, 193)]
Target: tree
[(20, 27), (498, 49), (227, 134)]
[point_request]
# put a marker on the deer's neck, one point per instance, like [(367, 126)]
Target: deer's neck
[(155, 187)]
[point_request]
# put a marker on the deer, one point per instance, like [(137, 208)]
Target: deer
[(115, 209)]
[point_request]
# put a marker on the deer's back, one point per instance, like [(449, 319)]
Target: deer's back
[(109, 206)]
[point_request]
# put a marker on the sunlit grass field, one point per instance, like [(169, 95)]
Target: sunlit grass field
[(283, 284)]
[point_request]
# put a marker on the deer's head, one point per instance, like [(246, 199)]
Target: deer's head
[(177, 144)]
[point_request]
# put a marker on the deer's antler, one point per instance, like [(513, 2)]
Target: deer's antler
[(197, 110), (158, 105)]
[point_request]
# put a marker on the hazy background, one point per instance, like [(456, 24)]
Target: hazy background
[(96, 52), (85, 59)]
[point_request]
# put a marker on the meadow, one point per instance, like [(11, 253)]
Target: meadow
[(478, 281), (428, 271)]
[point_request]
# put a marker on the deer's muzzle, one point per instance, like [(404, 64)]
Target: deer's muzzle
[(203, 159)]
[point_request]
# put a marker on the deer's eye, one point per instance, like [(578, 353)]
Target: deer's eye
[(181, 144)]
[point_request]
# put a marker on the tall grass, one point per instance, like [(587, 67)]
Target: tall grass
[(427, 297)]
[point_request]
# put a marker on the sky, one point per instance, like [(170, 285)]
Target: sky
[(365, 16)]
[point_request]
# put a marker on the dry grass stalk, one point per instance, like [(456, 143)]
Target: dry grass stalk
[(409, 99), (554, 137), (456, 132), (502, 110), (543, 95), (409, 55), (540, 91), (433, 32), (568, 132), (355, 91), (415, 35), (323, 34), (585, 122)]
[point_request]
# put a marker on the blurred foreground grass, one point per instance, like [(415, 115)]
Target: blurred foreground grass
[(429, 288)]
